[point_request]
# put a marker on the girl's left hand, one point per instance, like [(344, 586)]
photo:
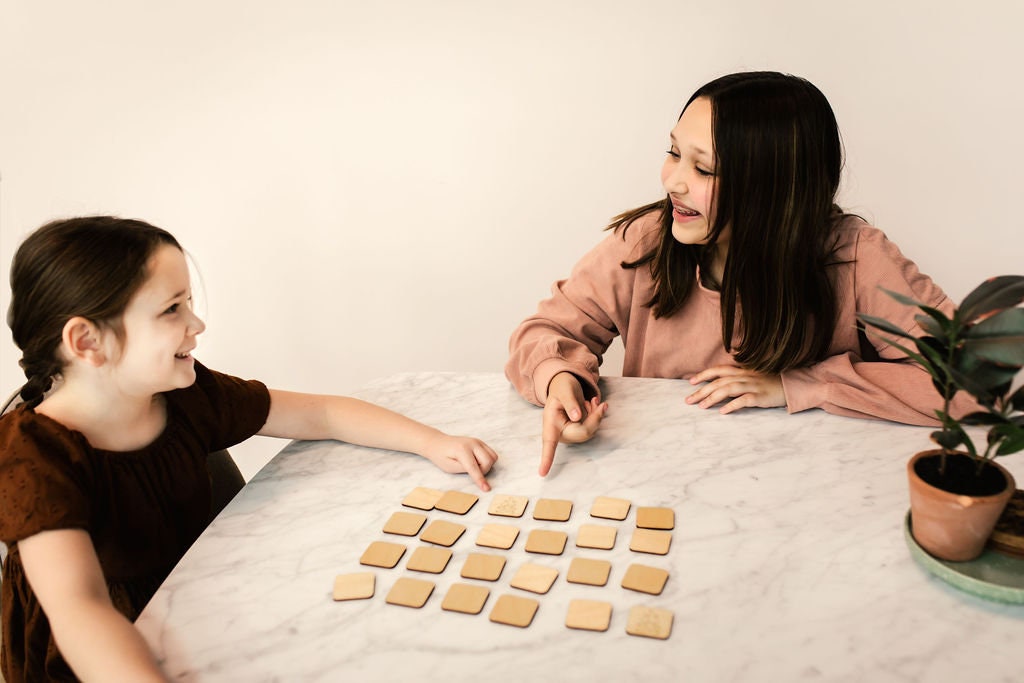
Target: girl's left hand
[(746, 388), (455, 454)]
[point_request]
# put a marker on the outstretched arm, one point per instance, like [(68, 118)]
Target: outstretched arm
[(312, 416), (97, 641)]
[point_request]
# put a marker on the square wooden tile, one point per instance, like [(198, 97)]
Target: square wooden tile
[(442, 532), (645, 579), (596, 536), (456, 501), (534, 578), (546, 542), (405, 523), (655, 518), (514, 610), (508, 506), (429, 559), (589, 572), (422, 498), (497, 536), (552, 510), (650, 622), (382, 554), (650, 541), (610, 508), (410, 592), (589, 615), (462, 597), (356, 586), (483, 567)]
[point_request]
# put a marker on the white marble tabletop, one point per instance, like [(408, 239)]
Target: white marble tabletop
[(787, 561)]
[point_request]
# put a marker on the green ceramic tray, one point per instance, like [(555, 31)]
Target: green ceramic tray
[(993, 576)]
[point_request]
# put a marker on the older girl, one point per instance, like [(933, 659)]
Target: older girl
[(747, 277)]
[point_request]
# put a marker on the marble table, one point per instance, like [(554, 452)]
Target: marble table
[(787, 562)]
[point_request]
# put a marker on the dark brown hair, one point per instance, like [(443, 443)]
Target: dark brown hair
[(89, 267), (778, 159)]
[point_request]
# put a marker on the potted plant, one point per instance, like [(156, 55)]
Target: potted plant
[(957, 491)]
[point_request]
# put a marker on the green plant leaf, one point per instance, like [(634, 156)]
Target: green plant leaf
[(1009, 436), (947, 440), (999, 339), (977, 374), (932, 327), (982, 418), (996, 293), (884, 325)]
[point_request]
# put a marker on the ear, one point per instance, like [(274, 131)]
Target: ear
[(81, 339)]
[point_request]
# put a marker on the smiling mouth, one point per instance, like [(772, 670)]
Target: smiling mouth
[(685, 211), (182, 356)]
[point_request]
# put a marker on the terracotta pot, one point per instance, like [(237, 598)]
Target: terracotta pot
[(951, 526)]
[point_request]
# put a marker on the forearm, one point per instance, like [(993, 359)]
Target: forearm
[(311, 416), (109, 648), (844, 385)]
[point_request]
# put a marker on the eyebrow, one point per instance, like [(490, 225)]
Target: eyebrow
[(698, 150), (178, 295)]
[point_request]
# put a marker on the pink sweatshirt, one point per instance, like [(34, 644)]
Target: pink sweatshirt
[(600, 300)]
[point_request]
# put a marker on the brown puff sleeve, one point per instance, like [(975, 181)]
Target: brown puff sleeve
[(43, 477)]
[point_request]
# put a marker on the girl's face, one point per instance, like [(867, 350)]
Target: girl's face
[(160, 330), (688, 175)]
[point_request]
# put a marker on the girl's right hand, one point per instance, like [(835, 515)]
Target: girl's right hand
[(567, 417)]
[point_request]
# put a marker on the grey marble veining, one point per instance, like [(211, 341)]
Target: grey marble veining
[(787, 561)]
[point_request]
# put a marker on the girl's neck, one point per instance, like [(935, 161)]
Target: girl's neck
[(111, 423)]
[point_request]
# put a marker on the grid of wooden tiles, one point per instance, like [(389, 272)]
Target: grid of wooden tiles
[(652, 535)]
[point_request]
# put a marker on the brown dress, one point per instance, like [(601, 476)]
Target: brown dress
[(143, 509)]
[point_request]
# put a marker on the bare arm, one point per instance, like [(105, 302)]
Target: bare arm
[(311, 416), (96, 640)]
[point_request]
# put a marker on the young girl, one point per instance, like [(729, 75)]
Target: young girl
[(746, 277), (103, 480)]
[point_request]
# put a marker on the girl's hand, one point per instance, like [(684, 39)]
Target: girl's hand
[(455, 454), (746, 388), (567, 417)]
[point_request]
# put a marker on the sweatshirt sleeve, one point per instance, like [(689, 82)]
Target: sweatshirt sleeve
[(878, 381), (574, 327)]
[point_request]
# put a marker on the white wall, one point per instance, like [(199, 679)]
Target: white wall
[(378, 187)]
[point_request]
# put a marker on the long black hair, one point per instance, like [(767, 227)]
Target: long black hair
[(778, 160)]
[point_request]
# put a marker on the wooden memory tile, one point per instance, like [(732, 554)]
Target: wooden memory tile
[(546, 542), (497, 536), (645, 579), (514, 610), (456, 501), (405, 523), (410, 592), (508, 506), (534, 578), (422, 498), (462, 597), (610, 508), (589, 615), (655, 518), (483, 567), (442, 532), (429, 559), (596, 536), (382, 554), (552, 510), (650, 622), (650, 541), (356, 586), (589, 572)]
